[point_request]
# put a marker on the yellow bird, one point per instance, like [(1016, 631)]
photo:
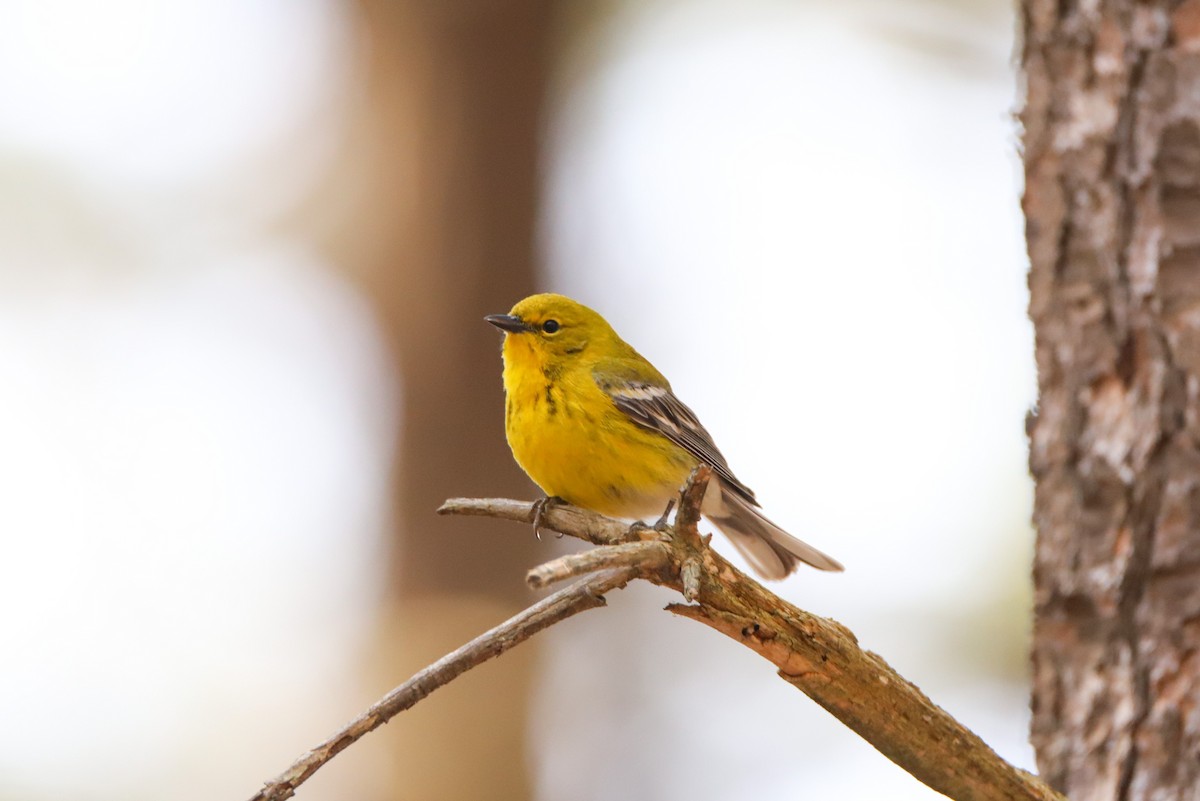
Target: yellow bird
[(594, 423)]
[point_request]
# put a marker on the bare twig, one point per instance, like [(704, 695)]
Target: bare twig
[(561, 518), (583, 595), (646, 556)]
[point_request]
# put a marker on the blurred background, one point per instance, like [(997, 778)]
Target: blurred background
[(244, 252)]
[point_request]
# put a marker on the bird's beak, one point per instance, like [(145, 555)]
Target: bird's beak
[(508, 322)]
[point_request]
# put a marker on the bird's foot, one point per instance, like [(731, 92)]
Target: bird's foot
[(660, 525), (540, 506)]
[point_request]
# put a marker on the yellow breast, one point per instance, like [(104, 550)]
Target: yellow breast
[(570, 438)]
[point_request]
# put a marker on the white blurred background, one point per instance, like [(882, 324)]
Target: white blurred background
[(805, 213)]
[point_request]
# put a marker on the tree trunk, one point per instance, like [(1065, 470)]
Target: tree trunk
[(1112, 201)]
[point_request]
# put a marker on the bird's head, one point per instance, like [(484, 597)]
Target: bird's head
[(551, 327)]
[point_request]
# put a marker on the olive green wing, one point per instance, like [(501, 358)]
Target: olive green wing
[(645, 397)]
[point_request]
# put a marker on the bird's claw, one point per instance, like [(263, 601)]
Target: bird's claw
[(539, 511)]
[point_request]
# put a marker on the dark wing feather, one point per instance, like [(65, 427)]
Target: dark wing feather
[(654, 406)]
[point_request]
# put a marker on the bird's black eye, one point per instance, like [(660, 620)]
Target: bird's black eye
[(550, 326)]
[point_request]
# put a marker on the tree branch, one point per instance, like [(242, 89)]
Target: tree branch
[(585, 594), (816, 655), (643, 556)]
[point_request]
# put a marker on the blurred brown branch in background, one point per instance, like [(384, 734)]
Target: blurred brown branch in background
[(818, 656)]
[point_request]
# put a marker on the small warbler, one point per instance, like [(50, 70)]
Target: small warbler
[(593, 423)]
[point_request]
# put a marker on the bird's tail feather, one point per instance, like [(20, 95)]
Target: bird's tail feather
[(771, 551)]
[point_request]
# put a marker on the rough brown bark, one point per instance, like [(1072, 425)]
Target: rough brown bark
[(1112, 201)]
